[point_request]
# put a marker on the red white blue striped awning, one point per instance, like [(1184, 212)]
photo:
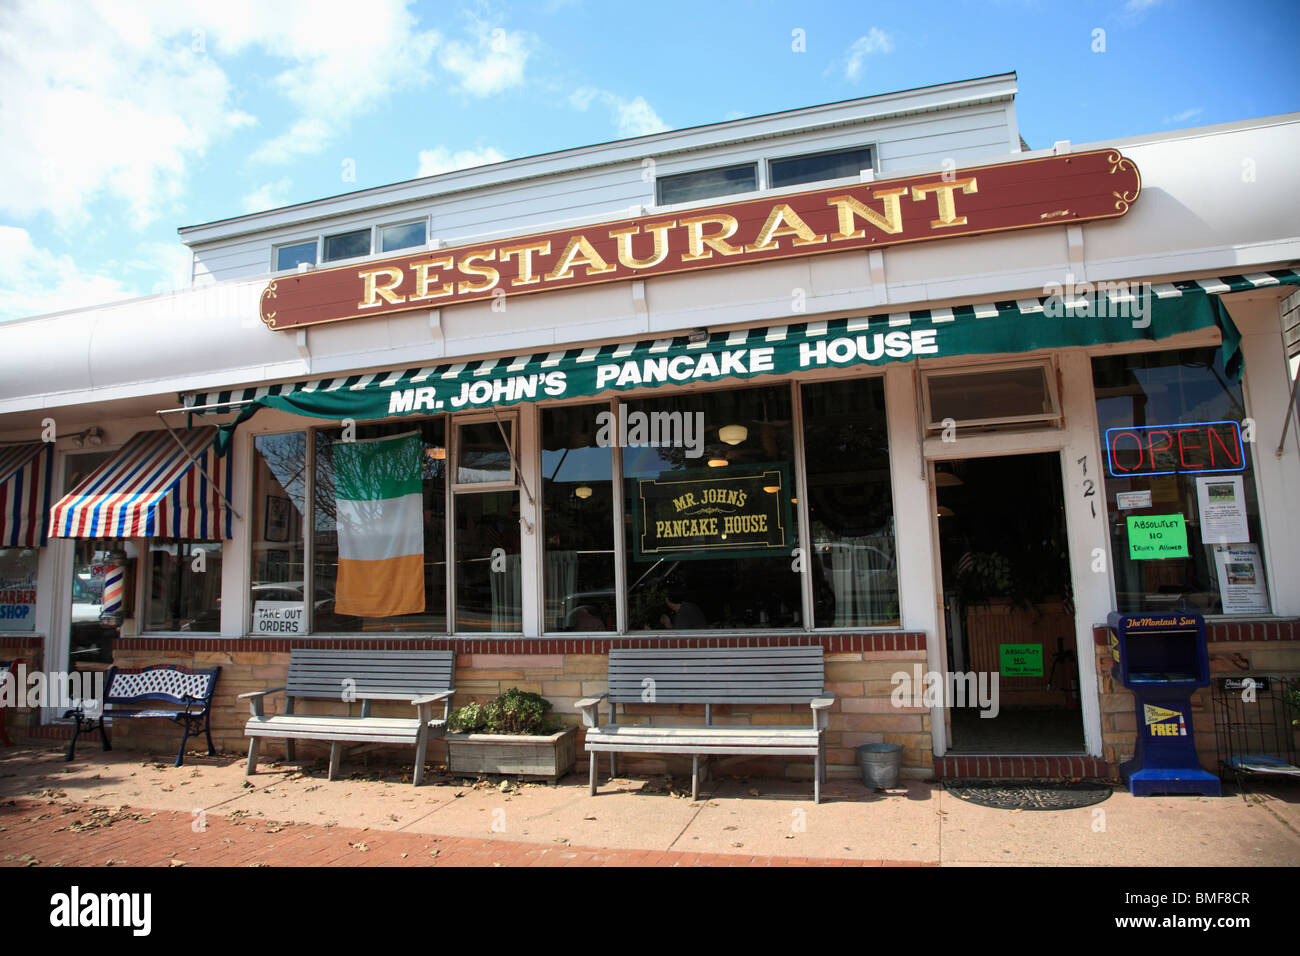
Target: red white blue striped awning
[(150, 488), (25, 474)]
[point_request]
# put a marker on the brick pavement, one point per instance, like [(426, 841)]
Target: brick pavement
[(36, 833)]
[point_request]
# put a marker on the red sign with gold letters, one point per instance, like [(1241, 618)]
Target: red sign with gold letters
[(1054, 190)]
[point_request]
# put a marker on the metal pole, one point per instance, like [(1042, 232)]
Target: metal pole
[(1290, 410), (195, 462)]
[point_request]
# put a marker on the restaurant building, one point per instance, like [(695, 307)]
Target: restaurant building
[(875, 376)]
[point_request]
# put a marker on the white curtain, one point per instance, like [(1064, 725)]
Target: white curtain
[(507, 597), (863, 575), (561, 575)]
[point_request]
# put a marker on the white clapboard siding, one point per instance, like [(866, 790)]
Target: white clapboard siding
[(605, 192)]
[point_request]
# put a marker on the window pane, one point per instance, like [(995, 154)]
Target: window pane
[(488, 594), (433, 484), (1185, 478), (710, 545), (850, 505), (18, 589), (289, 257), (978, 396), (347, 245), (404, 236), (685, 187), (181, 598), (279, 505), (578, 520), (482, 454), (811, 169)]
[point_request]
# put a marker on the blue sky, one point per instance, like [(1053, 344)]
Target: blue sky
[(121, 121)]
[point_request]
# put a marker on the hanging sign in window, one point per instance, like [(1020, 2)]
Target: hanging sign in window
[(1191, 448), (1157, 536), (711, 513)]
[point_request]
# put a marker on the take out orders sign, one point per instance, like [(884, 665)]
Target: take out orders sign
[(1053, 190)]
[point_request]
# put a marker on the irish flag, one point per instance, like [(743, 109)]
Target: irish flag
[(380, 511)]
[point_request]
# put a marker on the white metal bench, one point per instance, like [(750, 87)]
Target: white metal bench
[(421, 677), (708, 676)]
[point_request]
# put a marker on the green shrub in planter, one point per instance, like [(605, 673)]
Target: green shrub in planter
[(514, 712)]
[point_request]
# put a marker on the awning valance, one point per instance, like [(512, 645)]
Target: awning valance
[(25, 476), (1076, 316), (153, 486)]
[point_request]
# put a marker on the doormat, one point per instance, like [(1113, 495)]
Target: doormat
[(1030, 794)]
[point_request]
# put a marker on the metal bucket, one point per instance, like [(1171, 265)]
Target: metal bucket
[(880, 764)]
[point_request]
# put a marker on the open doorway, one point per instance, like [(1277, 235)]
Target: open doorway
[(1008, 602)]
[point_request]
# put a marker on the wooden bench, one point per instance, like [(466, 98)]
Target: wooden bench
[(189, 689), (709, 676), (420, 677)]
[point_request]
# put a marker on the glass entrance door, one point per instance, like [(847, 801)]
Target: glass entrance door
[(1008, 606)]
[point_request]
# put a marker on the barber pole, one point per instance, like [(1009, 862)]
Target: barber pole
[(114, 588)]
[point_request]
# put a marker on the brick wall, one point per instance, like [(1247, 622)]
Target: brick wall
[(29, 650), (858, 670)]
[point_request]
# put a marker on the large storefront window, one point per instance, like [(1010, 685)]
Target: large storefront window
[(279, 507), (577, 520), (1180, 484), (710, 523), (184, 586), (850, 505), (379, 542), (18, 589)]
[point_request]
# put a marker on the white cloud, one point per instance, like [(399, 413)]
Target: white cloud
[(634, 117), (109, 102), (64, 284), (266, 196), (872, 42), (492, 63), (442, 160), (1184, 116)]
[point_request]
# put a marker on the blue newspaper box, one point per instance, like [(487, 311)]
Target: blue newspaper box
[(1162, 658)]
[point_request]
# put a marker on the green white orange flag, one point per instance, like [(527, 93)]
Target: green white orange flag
[(380, 502)]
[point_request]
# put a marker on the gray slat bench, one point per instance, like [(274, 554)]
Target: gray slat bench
[(708, 676), (420, 677)]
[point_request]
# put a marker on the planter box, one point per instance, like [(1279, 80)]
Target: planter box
[(514, 755)]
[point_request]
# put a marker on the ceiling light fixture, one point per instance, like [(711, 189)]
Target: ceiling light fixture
[(718, 463), (733, 434), (582, 491)]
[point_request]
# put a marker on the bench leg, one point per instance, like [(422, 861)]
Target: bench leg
[(421, 748), (695, 777), (817, 777), (72, 744), (289, 751), (252, 757), (613, 771), (592, 773), (335, 748), (207, 729), (180, 753), (103, 734)]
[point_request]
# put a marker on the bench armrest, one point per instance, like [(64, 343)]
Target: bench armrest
[(430, 698), (590, 707), (254, 698), (259, 693), (820, 706)]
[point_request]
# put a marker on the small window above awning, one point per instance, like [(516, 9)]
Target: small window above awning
[(153, 486), (25, 473)]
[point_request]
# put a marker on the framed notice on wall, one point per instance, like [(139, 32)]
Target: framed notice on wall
[(1241, 579), (712, 513)]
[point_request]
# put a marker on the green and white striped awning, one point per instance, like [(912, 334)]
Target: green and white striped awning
[(1075, 317)]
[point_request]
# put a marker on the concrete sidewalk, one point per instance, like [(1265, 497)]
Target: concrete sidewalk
[(128, 807)]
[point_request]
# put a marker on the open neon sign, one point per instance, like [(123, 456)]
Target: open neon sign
[(1193, 447)]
